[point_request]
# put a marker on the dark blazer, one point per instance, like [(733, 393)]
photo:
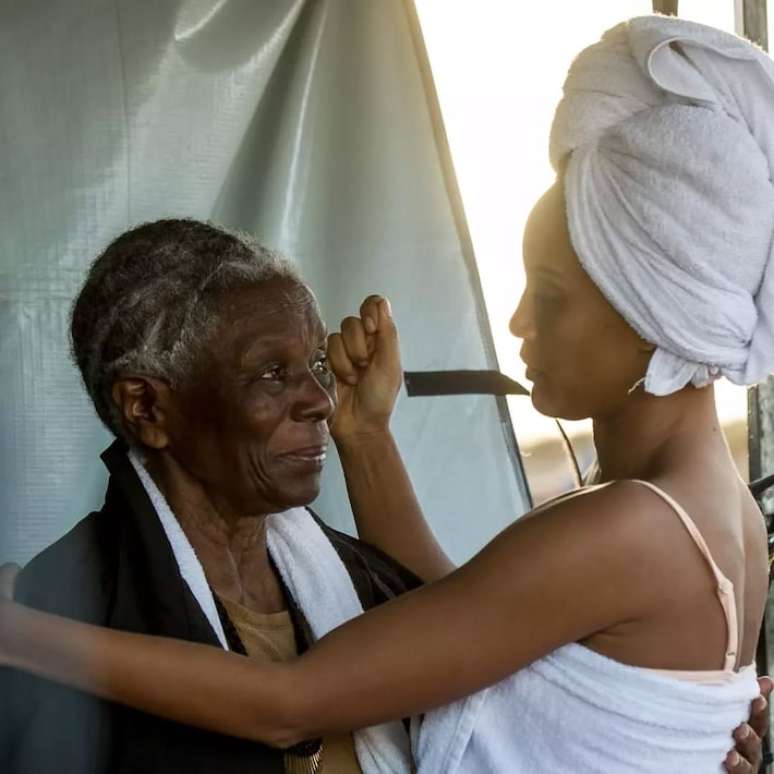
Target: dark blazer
[(116, 568)]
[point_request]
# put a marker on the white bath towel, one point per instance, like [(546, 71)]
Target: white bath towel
[(319, 583), (578, 712), (667, 131)]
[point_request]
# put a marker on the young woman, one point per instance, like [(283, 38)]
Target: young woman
[(616, 625)]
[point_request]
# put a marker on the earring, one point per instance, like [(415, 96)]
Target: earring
[(635, 386)]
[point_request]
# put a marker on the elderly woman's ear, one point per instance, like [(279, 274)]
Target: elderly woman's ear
[(143, 402)]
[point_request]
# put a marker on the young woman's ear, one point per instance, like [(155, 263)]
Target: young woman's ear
[(143, 403)]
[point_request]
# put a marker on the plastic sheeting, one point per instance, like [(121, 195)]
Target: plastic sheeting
[(305, 123)]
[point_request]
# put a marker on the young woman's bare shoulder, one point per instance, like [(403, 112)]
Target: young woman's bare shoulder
[(566, 564), (628, 504), (623, 518)]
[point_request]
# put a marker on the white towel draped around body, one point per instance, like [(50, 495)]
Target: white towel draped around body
[(578, 712), (666, 128)]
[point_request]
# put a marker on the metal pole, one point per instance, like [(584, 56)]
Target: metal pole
[(752, 23), (760, 438), (668, 7)]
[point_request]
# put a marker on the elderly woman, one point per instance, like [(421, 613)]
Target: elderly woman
[(206, 356), (614, 629)]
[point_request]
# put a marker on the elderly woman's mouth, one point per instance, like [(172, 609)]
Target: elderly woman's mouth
[(312, 456)]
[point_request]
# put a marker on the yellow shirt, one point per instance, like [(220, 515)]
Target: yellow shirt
[(270, 636)]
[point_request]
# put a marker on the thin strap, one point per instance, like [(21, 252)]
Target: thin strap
[(560, 498), (724, 588)]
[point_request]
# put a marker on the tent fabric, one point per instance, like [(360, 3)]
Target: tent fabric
[(304, 122)]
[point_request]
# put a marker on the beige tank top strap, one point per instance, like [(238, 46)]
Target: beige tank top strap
[(724, 588)]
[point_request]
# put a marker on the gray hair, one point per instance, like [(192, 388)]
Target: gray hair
[(150, 302)]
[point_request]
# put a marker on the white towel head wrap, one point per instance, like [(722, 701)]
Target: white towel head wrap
[(667, 131)]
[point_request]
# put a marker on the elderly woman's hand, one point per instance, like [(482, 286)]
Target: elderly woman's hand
[(746, 757), (8, 573), (365, 358)]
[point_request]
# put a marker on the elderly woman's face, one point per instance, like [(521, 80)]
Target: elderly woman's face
[(582, 356), (251, 425)]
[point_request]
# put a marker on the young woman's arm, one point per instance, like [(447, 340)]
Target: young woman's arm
[(365, 357), (547, 580)]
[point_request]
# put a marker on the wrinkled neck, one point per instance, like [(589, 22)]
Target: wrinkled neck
[(231, 547)]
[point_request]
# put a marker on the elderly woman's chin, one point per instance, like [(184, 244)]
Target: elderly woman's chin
[(296, 490), (304, 491)]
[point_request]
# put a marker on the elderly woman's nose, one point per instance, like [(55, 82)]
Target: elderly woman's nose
[(314, 403)]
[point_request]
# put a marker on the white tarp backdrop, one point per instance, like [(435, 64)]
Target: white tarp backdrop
[(304, 122)]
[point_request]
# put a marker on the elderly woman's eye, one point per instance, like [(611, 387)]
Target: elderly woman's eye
[(274, 374), (322, 366), (321, 369)]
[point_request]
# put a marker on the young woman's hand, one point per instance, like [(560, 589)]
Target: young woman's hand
[(365, 357)]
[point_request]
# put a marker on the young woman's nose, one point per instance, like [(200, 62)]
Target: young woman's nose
[(520, 325)]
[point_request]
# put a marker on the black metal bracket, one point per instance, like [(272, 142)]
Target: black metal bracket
[(429, 383), (759, 487)]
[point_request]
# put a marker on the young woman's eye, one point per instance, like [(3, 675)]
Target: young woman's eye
[(547, 296)]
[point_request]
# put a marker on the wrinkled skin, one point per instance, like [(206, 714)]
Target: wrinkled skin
[(243, 435), (257, 401)]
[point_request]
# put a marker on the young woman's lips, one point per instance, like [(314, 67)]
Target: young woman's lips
[(532, 374), (310, 456)]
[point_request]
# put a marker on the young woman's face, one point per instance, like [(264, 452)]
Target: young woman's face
[(581, 356)]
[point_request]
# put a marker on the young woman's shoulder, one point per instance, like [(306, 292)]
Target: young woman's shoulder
[(574, 556), (620, 508), (612, 533)]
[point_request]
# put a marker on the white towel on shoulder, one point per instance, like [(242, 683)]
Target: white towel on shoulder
[(666, 128), (191, 569), (321, 586)]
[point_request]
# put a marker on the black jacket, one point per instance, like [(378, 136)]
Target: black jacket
[(116, 568)]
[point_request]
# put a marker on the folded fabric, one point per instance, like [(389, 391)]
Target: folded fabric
[(665, 135)]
